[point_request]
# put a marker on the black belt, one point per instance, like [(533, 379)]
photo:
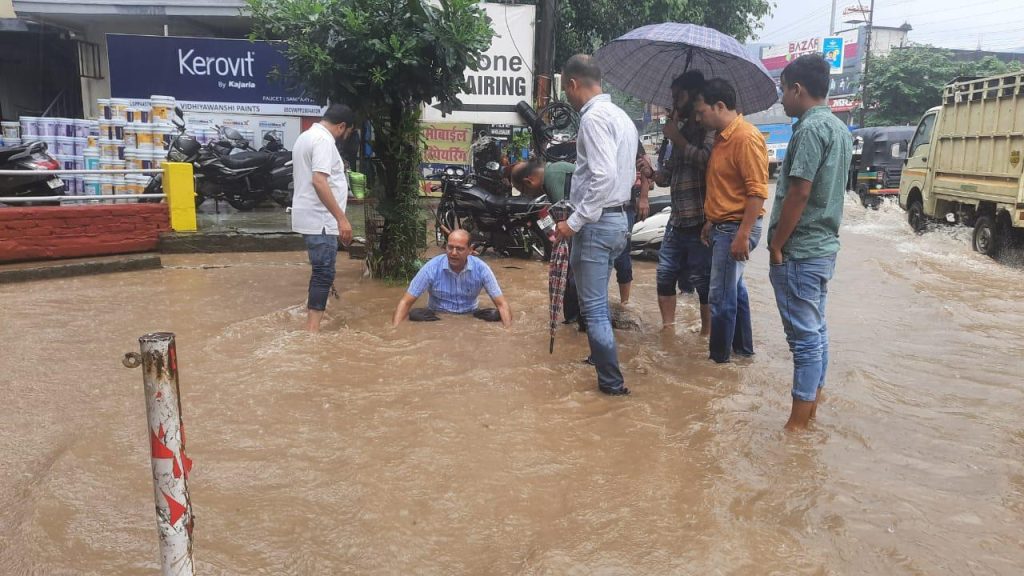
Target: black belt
[(610, 209)]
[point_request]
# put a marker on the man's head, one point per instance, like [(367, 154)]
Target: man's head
[(804, 84), (339, 120), (528, 177), (685, 89), (581, 80), (458, 249), (716, 104)]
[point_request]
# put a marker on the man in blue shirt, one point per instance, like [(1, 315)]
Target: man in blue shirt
[(454, 281)]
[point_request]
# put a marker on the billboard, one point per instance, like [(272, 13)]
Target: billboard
[(505, 74), (832, 48), (213, 75)]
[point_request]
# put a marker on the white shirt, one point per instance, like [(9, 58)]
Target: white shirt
[(605, 161), (315, 151)]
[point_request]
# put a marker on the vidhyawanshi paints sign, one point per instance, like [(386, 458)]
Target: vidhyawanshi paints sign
[(204, 74)]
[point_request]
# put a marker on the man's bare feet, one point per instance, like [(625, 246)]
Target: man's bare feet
[(819, 399), (800, 416)]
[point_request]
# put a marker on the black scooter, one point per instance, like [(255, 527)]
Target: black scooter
[(29, 156)]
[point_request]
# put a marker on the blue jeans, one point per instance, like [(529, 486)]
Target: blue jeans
[(801, 289), (624, 262), (594, 249), (323, 254), (685, 261), (730, 306)]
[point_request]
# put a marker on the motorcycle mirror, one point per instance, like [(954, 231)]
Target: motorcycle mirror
[(179, 112), (492, 166)]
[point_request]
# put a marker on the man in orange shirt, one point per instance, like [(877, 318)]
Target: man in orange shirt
[(737, 186)]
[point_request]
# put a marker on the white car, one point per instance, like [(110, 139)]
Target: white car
[(647, 234)]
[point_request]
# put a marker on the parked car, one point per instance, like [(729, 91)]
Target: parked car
[(878, 157), (965, 161)]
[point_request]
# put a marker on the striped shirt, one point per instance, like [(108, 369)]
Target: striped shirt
[(451, 292), (687, 167)]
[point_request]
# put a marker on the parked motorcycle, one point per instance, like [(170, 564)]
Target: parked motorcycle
[(243, 179), (29, 156), (511, 225), (280, 184)]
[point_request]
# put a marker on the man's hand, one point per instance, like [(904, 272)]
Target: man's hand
[(740, 249), (662, 178), (705, 233), (563, 231), (775, 255), (643, 166), (344, 231), (643, 209), (671, 128)]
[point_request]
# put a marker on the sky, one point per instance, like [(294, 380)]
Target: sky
[(998, 25)]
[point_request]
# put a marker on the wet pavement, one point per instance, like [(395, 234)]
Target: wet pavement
[(458, 447)]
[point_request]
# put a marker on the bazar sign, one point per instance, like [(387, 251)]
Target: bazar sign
[(204, 74)]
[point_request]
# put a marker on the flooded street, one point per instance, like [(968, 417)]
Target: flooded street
[(457, 447)]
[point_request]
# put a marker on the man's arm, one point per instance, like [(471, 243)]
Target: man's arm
[(808, 151), (322, 160), (797, 195), (699, 154), (643, 209), (504, 310), (404, 306), (753, 165), (596, 138)]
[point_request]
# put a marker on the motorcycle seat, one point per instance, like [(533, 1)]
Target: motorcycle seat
[(244, 160), (522, 204)]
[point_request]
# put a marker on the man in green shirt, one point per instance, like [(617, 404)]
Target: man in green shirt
[(803, 235), (534, 178)]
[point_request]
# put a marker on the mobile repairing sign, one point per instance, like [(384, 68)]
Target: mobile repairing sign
[(215, 75), (505, 74)]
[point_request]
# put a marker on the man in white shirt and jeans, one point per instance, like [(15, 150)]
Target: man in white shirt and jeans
[(600, 194), (319, 200)]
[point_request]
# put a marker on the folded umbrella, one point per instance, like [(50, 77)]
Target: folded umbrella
[(558, 274), (644, 61)]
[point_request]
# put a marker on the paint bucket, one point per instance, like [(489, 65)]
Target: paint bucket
[(91, 157), (11, 130), (108, 148), (65, 127), (51, 143), (66, 145), (162, 135), (144, 134), (106, 185), (119, 108), (131, 159), (118, 125), (103, 105), (48, 127), (111, 164), (82, 128), (106, 129), (91, 185), (12, 141), (29, 126), (130, 140), (162, 109), (159, 158), (80, 145)]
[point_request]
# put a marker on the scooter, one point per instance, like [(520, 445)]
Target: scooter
[(29, 156)]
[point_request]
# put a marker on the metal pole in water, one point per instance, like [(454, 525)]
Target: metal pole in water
[(166, 435)]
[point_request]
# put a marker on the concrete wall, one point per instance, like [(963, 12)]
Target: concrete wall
[(52, 232)]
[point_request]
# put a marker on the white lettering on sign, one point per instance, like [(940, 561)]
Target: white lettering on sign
[(210, 65)]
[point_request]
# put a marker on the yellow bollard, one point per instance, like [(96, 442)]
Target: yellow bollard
[(180, 187)]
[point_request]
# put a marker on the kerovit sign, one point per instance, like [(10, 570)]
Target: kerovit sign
[(205, 74)]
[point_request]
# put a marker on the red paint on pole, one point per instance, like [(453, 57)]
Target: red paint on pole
[(158, 448), (177, 509)]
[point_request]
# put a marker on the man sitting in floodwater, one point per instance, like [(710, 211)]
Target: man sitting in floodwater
[(454, 281)]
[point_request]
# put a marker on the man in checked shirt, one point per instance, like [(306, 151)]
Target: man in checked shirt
[(682, 251)]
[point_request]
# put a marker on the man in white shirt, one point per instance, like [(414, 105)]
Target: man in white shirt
[(319, 200), (600, 194)]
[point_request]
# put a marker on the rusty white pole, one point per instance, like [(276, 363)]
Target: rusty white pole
[(171, 466)]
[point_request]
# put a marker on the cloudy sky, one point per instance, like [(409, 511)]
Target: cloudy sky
[(996, 24)]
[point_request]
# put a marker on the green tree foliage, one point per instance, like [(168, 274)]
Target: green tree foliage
[(385, 59), (584, 25), (909, 81)]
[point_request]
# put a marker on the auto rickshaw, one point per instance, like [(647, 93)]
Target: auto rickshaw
[(878, 157)]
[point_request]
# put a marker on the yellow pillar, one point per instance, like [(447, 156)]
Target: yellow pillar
[(180, 187)]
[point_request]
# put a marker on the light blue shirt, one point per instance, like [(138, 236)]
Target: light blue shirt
[(605, 161), (451, 292)]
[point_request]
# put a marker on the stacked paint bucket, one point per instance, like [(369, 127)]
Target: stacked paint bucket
[(66, 140)]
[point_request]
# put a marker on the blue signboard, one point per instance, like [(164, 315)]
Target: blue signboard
[(832, 48), (204, 74)]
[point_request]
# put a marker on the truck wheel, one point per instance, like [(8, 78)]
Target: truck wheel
[(915, 216), (866, 199), (987, 236)]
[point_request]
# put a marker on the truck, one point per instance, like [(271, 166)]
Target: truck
[(965, 162), (777, 137)]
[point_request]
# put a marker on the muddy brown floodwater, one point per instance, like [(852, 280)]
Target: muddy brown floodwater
[(457, 447)]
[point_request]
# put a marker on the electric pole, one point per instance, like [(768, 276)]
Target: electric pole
[(864, 100), (832, 21), (545, 51)]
